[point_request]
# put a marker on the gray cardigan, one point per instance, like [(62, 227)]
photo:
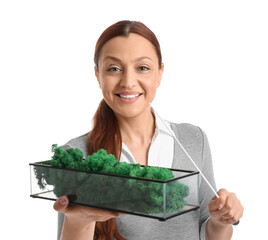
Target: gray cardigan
[(189, 226)]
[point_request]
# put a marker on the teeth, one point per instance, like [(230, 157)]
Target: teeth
[(129, 96)]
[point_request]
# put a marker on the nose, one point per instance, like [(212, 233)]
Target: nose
[(128, 79)]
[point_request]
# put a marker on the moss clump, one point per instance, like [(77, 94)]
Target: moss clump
[(135, 195)]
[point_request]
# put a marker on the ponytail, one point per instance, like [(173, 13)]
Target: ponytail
[(105, 134)]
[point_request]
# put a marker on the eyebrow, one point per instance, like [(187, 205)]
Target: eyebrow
[(141, 58), (118, 60), (113, 58)]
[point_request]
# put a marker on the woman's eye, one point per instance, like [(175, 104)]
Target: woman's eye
[(114, 69), (144, 68)]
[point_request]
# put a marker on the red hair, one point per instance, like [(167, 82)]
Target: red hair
[(124, 28), (106, 132)]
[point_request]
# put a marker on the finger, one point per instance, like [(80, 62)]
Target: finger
[(233, 208), (106, 213), (102, 215), (213, 206), (223, 195), (227, 211), (215, 203), (61, 204)]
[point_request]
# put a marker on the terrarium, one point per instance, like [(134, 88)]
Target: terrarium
[(100, 181)]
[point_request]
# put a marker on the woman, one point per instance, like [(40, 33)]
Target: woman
[(129, 68)]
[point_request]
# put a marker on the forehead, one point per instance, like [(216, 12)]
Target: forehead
[(130, 47)]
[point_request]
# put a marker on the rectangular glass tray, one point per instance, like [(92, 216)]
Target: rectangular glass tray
[(157, 199)]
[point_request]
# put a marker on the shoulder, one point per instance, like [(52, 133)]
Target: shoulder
[(78, 142), (192, 137), (188, 131), (194, 141)]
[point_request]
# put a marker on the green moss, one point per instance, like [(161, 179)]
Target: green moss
[(106, 190)]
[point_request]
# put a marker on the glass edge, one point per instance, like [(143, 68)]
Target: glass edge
[(190, 173), (122, 211)]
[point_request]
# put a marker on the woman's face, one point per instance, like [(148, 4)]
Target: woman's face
[(128, 74)]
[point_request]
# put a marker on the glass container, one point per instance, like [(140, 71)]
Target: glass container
[(157, 199)]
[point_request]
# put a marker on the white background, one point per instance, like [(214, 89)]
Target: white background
[(216, 58)]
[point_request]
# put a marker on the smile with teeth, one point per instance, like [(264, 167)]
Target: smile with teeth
[(129, 96)]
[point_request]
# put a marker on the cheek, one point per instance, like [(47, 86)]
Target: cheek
[(106, 89), (152, 83), (150, 88), (106, 84)]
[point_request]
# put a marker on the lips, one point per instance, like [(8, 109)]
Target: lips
[(128, 95)]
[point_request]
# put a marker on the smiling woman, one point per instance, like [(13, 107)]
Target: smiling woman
[(128, 72), (128, 67)]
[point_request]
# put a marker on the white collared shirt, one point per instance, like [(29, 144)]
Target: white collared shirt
[(161, 150)]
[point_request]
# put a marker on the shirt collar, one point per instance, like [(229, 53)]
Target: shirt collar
[(160, 126)]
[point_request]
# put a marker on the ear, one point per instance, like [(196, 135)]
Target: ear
[(161, 70), (97, 75)]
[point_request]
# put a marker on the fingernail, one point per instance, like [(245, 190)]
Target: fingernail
[(63, 201), (220, 206)]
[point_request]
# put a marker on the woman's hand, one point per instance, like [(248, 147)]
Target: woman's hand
[(79, 222), (226, 209), (81, 213)]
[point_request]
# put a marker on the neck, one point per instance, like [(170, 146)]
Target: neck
[(138, 129)]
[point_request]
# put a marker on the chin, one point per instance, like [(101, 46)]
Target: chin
[(131, 111)]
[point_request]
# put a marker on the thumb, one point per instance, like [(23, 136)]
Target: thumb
[(61, 204), (218, 203), (213, 204), (223, 195)]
